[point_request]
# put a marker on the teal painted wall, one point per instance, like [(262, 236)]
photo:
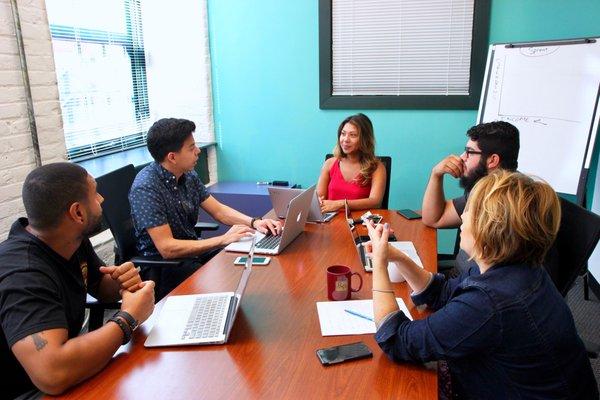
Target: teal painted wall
[(265, 76)]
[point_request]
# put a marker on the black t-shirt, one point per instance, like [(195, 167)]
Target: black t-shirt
[(460, 203), (39, 290), (462, 263)]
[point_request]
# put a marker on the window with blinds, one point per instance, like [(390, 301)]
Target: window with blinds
[(101, 72), (402, 53)]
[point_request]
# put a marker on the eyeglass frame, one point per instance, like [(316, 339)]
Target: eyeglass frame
[(468, 151)]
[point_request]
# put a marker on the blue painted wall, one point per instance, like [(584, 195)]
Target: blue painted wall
[(265, 75)]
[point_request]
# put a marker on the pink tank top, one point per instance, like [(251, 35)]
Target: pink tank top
[(339, 188)]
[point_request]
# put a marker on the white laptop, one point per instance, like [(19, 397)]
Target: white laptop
[(199, 318), (294, 225), (281, 197)]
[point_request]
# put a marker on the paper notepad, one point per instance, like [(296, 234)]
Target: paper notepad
[(335, 321)]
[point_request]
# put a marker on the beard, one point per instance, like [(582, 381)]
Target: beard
[(468, 181), (94, 227)]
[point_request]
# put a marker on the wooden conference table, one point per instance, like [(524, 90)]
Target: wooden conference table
[(271, 351)]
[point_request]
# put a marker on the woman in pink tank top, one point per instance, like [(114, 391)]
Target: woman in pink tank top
[(353, 173)]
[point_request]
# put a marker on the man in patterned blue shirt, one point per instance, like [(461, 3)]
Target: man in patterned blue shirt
[(166, 197)]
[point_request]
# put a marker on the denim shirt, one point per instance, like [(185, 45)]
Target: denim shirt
[(506, 334), (157, 198)]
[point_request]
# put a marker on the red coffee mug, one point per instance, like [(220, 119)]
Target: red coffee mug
[(339, 279)]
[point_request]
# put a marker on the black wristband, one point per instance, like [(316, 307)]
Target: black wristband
[(253, 220), (133, 324), (127, 324), (124, 327)]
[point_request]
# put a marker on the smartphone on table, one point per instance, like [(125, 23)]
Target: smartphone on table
[(408, 214), (345, 352), (255, 261)]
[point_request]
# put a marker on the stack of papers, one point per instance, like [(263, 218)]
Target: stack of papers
[(339, 317)]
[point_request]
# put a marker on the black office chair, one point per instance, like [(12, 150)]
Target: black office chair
[(577, 237), (116, 211), (387, 163)]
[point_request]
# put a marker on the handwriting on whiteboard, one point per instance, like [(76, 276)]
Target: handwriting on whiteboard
[(538, 51), (498, 76), (528, 119)]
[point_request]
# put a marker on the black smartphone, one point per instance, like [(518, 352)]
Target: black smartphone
[(345, 352), (408, 214)]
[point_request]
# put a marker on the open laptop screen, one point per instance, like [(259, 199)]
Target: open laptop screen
[(239, 292)]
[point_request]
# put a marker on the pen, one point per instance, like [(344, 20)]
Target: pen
[(359, 315)]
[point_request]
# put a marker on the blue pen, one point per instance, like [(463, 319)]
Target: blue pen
[(359, 315)]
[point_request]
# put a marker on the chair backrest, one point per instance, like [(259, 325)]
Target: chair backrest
[(387, 163), (114, 187), (577, 237)]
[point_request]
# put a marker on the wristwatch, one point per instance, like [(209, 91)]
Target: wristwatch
[(126, 322), (253, 220)]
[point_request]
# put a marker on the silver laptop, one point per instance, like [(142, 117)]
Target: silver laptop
[(199, 318), (281, 197), (294, 225)]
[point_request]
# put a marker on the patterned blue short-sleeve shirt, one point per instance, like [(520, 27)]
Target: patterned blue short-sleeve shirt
[(157, 198)]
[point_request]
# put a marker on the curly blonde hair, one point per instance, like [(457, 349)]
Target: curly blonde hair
[(366, 145), (514, 218)]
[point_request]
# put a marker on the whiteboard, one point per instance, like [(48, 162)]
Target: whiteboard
[(549, 91)]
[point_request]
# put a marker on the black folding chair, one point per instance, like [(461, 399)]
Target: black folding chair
[(114, 187), (577, 237)]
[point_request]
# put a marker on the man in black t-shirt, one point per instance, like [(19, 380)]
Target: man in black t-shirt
[(47, 265), (490, 146)]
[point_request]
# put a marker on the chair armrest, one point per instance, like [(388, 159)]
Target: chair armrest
[(206, 226), (92, 303), (446, 257), (150, 263), (97, 309)]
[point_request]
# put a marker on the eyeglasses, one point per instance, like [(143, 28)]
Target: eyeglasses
[(469, 151)]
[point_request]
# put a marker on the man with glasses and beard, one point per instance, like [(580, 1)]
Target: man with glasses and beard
[(490, 146), (47, 265)]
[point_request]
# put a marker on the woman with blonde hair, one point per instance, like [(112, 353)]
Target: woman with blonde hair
[(353, 173), (502, 327)]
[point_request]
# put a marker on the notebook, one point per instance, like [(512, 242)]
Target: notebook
[(295, 220), (200, 318), (281, 197)]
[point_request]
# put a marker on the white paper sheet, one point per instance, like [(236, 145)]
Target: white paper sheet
[(409, 249), (335, 321)]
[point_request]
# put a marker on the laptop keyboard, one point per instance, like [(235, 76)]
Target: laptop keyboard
[(206, 317), (269, 242)]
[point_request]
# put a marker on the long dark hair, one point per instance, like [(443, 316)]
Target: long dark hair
[(366, 145)]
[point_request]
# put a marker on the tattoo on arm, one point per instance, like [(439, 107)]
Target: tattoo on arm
[(39, 342)]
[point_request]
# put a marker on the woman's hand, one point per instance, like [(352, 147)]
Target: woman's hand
[(379, 242), (330, 205)]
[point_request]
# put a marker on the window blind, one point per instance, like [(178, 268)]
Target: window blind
[(401, 47), (101, 73)]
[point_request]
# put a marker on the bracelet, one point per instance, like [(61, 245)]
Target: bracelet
[(133, 324), (127, 331), (253, 220), (382, 291)]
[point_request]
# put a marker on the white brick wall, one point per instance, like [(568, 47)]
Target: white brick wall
[(16, 150)]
